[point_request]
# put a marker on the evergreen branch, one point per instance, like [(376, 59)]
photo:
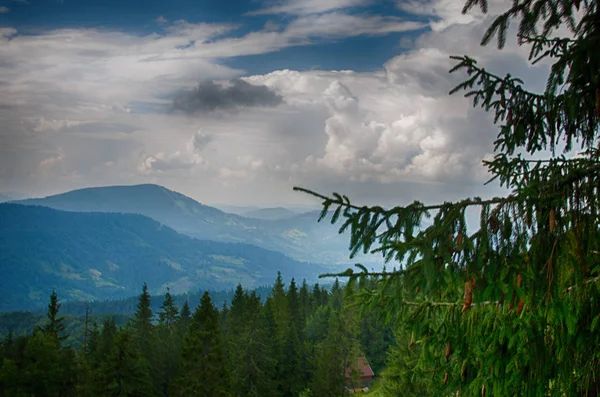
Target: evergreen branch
[(363, 274), (590, 281), (536, 121), (448, 304), (414, 206)]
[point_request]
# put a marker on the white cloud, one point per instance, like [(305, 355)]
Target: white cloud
[(445, 13), (303, 7), (52, 162), (187, 158), (390, 135), (338, 24)]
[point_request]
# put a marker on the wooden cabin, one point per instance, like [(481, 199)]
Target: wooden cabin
[(365, 375)]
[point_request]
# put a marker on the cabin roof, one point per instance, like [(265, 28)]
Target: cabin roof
[(363, 367)]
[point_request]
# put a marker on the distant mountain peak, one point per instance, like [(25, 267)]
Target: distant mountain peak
[(295, 234), (273, 213)]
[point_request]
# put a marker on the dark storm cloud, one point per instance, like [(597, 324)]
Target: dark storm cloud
[(209, 96)]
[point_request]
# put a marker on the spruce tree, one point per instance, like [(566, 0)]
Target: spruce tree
[(334, 355), (204, 363), (125, 372), (186, 313), (305, 301), (56, 324), (142, 321), (250, 351), (167, 346), (142, 327), (512, 307), (169, 314), (184, 319)]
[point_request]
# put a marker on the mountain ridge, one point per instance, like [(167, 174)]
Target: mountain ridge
[(299, 236), (96, 255)]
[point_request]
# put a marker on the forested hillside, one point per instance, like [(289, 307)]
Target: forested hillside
[(297, 236), (97, 256), (300, 341)]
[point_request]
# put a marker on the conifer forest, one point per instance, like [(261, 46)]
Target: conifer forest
[(506, 305), (301, 341), (509, 306)]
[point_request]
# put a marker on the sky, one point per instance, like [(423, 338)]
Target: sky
[(235, 102)]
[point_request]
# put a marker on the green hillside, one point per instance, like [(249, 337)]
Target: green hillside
[(297, 236), (95, 256)]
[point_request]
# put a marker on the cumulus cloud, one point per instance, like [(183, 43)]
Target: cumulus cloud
[(200, 140), (209, 96), (388, 136), (187, 158)]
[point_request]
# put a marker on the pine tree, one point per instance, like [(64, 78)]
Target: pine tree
[(185, 317), (167, 346), (334, 355), (169, 313), (250, 351), (125, 372), (294, 305), (86, 329), (141, 325), (305, 301), (204, 363), (142, 322), (511, 308), (186, 313), (56, 324)]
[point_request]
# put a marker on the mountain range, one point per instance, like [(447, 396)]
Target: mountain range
[(11, 196), (101, 255), (298, 236)]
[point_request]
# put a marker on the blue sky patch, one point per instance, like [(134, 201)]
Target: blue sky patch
[(360, 53)]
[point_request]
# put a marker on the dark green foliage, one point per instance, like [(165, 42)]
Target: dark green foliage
[(334, 354), (511, 307), (56, 324), (250, 349), (167, 346), (125, 372), (185, 312), (402, 372), (292, 343), (204, 369), (39, 364)]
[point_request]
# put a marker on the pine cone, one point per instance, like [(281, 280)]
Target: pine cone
[(448, 351), (494, 224), (459, 241), (468, 296), (520, 306)]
